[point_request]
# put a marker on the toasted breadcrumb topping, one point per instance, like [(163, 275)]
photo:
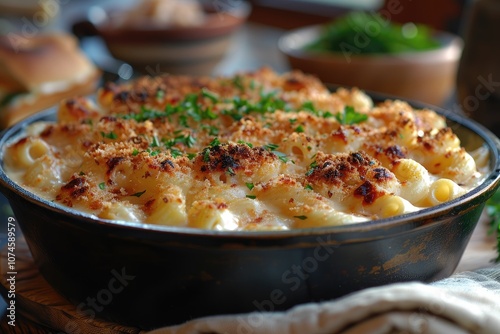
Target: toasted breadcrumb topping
[(269, 149)]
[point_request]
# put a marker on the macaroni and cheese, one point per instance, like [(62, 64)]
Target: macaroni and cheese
[(255, 151)]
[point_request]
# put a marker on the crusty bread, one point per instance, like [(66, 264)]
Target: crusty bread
[(41, 71)]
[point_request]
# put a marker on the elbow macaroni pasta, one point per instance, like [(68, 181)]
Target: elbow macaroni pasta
[(255, 151)]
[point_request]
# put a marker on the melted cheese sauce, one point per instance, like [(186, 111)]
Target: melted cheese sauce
[(256, 151)]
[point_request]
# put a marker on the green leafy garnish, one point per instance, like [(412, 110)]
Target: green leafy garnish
[(349, 116), (343, 35), (210, 95), (214, 142), (109, 135), (312, 167), (493, 211), (308, 187), (282, 156), (155, 142), (212, 130), (238, 82), (145, 114), (300, 217), (153, 153), (175, 153), (102, 185), (188, 140), (271, 147), (189, 108), (206, 155), (246, 143), (299, 129), (250, 186), (160, 94), (251, 196), (241, 107), (310, 108), (138, 194)]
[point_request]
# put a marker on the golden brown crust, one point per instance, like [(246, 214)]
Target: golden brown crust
[(208, 143)]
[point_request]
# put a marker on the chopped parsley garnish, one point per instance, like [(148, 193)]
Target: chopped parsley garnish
[(252, 84), (109, 135), (250, 186), (206, 155), (342, 36), (349, 116), (175, 153), (282, 156), (153, 153), (145, 114), (308, 187), (230, 171), (183, 120), (238, 83), (155, 142), (246, 143), (300, 217), (268, 103), (81, 173), (189, 107), (214, 142), (299, 129), (160, 94), (493, 211), (102, 185), (212, 130), (271, 147), (312, 167), (138, 194), (210, 95), (251, 196), (186, 140), (310, 108), (135, 152), (191, 156)]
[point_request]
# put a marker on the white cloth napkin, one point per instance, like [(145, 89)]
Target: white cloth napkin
[(468, 302)]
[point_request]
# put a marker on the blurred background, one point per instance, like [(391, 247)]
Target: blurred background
[(254, 44)]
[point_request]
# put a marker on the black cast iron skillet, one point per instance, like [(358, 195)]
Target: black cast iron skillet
[(150, 276)]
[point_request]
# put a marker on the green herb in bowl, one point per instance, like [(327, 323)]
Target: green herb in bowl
[(370, 33), (493, 210)]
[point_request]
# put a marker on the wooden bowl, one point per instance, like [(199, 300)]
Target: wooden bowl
[(426, 76), (193, 50)]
